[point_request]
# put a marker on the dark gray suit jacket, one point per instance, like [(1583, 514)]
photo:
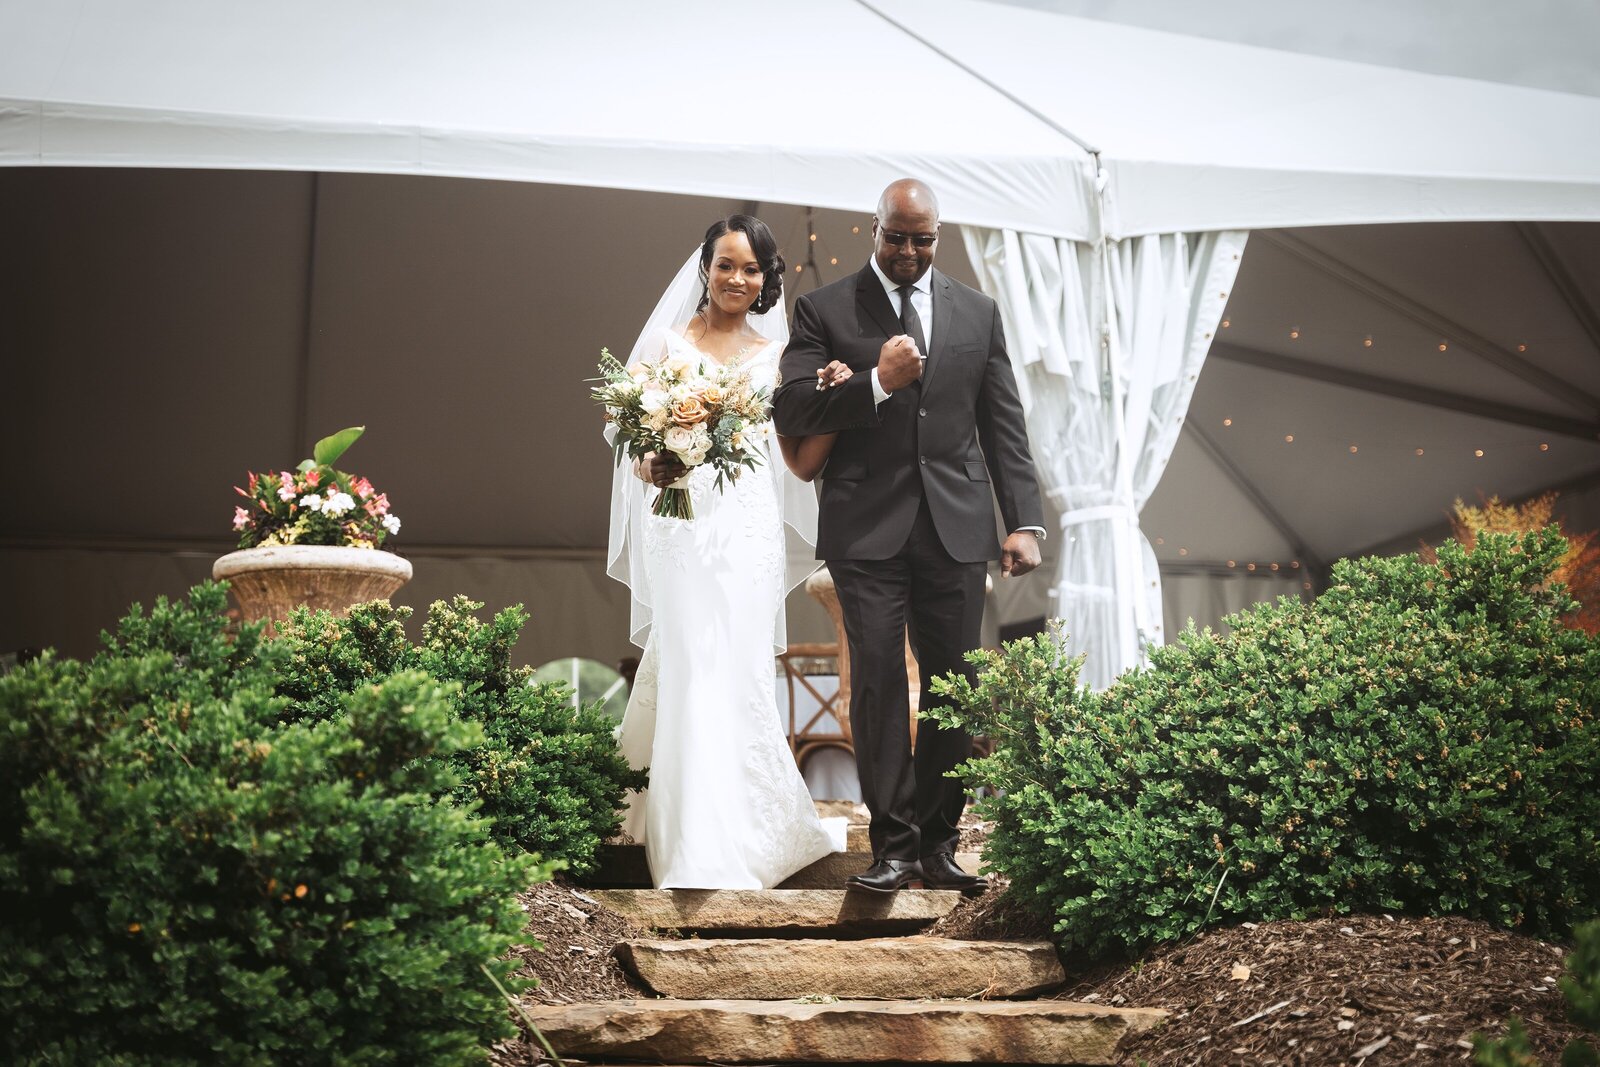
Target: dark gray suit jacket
[(956, 437)]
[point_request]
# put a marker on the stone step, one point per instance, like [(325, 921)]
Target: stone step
[(909, 967), (625, 867), (800, 912), (844, 1031)]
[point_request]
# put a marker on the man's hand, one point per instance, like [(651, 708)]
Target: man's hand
[(661, 469), (1020, 554), (899, 363)]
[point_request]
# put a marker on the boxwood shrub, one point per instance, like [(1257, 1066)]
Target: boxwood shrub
[(548, 775), (1420, 738), (185, 879)]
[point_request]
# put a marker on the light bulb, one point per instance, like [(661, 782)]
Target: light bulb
[(1227, 422), (1183, 551), (1522, 348), (1352, 450), (1419, 451), (1443, 346), (1478, 452), (855, 229), (1544, 446), (813, 237), (1226, 324), (1366, 342), (1231, 563), (1288, 438), (1294, 333)]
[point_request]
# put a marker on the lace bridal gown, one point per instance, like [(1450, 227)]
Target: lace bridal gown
[(726, 808)]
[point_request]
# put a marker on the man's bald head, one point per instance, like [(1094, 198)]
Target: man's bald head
[(905, 231), (909, 195)]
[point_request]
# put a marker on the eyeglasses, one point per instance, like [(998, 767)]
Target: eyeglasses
[(918, 240)]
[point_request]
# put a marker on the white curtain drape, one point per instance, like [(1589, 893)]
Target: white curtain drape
[(1107, 339)]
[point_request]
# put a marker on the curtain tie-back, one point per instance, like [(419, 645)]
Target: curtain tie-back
[(1079, 516)]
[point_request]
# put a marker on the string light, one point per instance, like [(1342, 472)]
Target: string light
[(1443, 346), (1274, 566), (1366, 342), (1419, 451), (1227, 422), (1544, 446), (834, 262), (799, 268), (1294, 333), (1249, 566), (855, 229), (1478, 452), (1183, 551), (1288, 438), (813, 237), (1161, 540), (1232, 563), (1295, 565), (1226, 324), (1352, 450), (1522, 348)]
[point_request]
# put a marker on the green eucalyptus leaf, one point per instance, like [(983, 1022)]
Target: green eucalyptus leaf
[(330, 448)]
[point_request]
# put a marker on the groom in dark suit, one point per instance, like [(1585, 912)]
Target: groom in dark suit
[(930, 437)]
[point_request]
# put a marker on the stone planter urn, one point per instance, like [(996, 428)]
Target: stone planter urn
[(270, 582)]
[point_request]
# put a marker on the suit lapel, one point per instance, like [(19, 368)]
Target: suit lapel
[(872, 300), (943, 319)]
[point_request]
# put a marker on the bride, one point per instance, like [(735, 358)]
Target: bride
[(726, 807)]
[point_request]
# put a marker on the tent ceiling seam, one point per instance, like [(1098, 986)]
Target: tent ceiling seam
[(1245, 486), (1473, 342), (1460, 403), (973, 73), (1561, 278)]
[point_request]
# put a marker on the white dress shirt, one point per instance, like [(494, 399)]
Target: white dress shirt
[(921, 299)]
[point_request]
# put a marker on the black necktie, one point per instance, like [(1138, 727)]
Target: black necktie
[(910, 321)]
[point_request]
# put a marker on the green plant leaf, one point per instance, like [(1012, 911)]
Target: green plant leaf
[(330, 448)]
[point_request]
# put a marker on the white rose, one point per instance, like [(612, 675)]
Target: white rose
[(311, 502), (695, 456), (391, 523), (338, 504), (678, 365), (679, 440), (702, 436), (653, 400), (680, 392)]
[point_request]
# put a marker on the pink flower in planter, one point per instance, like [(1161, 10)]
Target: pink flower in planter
[(312, 478), (241, 518), (363, 488)]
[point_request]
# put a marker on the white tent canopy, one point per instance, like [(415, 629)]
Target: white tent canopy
[(791, 103)]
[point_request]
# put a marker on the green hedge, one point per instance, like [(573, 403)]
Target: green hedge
[(184, 879), (549, 776), (1421, 738)]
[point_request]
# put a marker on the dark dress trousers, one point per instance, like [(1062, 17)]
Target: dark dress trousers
[(907, 524)]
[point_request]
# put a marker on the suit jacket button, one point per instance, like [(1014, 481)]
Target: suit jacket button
[(922, 459), (922, 413)]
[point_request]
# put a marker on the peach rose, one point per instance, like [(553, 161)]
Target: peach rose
[(689, 411), (712, 394)]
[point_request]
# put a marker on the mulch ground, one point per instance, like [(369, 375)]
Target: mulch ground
[(1351, 990), (575, 964)]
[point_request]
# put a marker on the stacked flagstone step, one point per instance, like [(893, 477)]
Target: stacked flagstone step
[(813, 974)]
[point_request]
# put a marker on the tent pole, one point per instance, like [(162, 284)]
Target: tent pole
[(1407, 391), (302, 371), (1561, 277)]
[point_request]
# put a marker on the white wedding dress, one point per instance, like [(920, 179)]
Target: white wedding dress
[(726, 807)]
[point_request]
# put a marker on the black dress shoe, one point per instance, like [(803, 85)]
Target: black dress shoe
[(940, 871), (886, 876)]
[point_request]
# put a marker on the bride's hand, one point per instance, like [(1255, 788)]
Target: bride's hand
[(834, 374), (661, 469)]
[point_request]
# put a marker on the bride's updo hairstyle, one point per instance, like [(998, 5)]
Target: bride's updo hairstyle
[(765, 247)]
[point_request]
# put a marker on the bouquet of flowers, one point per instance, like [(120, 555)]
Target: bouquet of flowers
[(694, 409), (315, 504)]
